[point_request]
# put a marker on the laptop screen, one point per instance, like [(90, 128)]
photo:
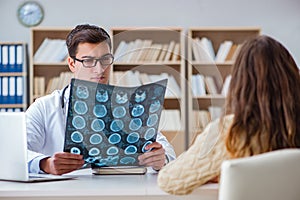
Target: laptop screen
[(13, 146), (111, 125)]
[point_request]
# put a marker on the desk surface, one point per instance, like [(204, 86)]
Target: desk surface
[(89, 186)]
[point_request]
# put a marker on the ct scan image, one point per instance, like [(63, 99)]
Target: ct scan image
[(111, 125)]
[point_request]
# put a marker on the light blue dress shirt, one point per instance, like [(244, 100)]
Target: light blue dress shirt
[(46, 124)]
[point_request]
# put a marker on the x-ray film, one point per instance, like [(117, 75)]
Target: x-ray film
[(111, 125)]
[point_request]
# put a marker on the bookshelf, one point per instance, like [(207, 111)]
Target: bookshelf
[(50, 63), (147, 54), (13, 77), (211, 54)]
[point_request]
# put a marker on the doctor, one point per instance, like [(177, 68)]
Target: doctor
[(89, 59)]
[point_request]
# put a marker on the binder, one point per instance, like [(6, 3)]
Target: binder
[(11, 90), (0, 57), (4, 89), (19, 58), (17, 110), (19, 90), (11, 58), (4, 58), (0, 90)]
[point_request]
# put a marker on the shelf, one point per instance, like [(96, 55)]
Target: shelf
[(145, 50), (13, 105), (13, 76), (226, 63), (50, 64), (47, 70), (170, 63), (207, 41)]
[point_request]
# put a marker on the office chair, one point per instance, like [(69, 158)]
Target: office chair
[(270, 176)]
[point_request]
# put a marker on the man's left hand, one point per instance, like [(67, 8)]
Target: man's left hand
[(154, 158)]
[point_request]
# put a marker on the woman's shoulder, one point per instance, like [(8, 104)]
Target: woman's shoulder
[(221, 123)]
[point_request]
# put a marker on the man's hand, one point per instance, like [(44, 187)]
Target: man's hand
[(154, 158), (61, 163)]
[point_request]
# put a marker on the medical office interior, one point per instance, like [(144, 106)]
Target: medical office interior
[(151, 40)]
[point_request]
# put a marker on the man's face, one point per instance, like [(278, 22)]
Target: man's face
[(99, 73)]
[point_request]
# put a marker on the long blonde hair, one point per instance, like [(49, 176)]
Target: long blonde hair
[(264, 96)]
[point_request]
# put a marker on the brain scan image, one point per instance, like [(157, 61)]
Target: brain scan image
[(121, 97), (128, 160), (114, 138), (140, 96), (150, 133), (99, 110), (158, 91), (80, 107), (82, 92), (111, 125), (90, 159), (112, 151), (78, 122), (94, 151), (97, 125), (131, 149), (135, 124), (154, 106), (77, 137), (137, 110), (95, 139), (133, 137), (119, 112), (152, 120), (75, 150), (102, 96), (116, 125), (109, 161)]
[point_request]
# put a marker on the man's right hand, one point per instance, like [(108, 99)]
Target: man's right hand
[(61, 163)]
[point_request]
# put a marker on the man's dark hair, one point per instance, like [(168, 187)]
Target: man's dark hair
[(86, 33)]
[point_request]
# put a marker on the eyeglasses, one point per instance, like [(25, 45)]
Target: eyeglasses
[(105, 61)]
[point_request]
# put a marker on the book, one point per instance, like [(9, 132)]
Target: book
[(198, 85), (210, 85), (145, 49), (195, 50), (223, 51), (170, 51), (170, 120), (119, 170), (226, 85), (236, 52), (163, 52), (176, 52), (231, 52), (209, 49)]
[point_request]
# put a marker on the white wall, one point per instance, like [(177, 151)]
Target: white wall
[(277, 18)]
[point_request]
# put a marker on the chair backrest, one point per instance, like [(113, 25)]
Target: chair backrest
[(270, 176)]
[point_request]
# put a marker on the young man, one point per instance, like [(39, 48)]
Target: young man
[(89, 59)]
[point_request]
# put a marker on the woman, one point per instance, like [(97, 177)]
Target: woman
[(262, 115)]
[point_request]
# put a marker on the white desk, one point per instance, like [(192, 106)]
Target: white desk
[(89, 186)]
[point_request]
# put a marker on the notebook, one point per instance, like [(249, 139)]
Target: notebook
[(117, 170), (111, 125), (13, 150)]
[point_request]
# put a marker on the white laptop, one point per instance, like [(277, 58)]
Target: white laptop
[(13, 150)]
